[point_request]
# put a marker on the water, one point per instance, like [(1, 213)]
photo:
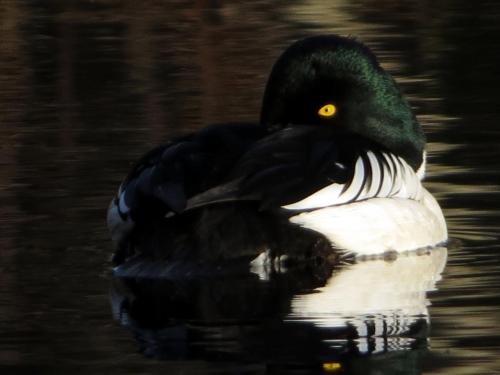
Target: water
[(88, 86)]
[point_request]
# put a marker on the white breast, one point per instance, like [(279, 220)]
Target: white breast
[(384, 207), (377, 225)]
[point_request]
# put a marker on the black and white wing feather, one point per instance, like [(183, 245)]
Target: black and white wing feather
[(377, 174), (305, 168)]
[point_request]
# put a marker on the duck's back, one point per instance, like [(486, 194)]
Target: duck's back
[(163, 180)]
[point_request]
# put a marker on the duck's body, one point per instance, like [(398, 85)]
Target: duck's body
[(338, 152)]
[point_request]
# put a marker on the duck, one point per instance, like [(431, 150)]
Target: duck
[(338, 152)]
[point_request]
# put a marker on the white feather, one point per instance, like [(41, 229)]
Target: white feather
[(356, 184), (395, 178), (332, 194), (118, 225), (421, 169), (377, 225), (374, 186), (122, 206), (389, 210), (387, 178)]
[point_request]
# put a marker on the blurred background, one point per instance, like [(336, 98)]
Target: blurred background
[(87, 86)]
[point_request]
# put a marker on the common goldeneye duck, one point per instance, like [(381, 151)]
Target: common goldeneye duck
[(338, 151)]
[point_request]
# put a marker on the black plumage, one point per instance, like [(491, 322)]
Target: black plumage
[(195, 187)]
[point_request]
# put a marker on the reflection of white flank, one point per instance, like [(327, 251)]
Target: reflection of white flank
[(378, 298)]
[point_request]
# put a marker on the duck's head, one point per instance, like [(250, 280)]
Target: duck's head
[(331, 81)]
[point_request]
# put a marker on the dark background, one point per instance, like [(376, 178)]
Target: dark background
[(88, 86)]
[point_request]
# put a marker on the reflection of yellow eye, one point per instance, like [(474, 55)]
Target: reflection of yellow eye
[(332, 366), (327, 110)]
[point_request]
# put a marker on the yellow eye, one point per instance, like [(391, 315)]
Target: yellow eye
[(327, 110)]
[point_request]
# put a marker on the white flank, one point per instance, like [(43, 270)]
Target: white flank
[(377, 225), (384, 208)]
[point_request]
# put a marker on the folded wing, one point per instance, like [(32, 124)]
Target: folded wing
[(305, 168)]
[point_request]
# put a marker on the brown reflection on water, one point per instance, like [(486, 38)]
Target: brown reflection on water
[(87, 86)]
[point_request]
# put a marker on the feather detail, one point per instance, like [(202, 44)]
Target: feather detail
[(376, 174)]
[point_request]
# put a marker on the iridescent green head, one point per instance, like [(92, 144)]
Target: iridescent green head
[(337, 82)]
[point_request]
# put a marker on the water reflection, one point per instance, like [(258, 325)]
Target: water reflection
[(381, 299), (88, 85), (359, 317)]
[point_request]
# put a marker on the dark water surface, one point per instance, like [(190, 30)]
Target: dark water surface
[(88, 86)]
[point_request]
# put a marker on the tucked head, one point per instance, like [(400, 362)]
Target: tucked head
[(337, 82)]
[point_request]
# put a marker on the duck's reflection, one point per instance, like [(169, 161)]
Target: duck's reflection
[(383, 301), (356, 317)]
